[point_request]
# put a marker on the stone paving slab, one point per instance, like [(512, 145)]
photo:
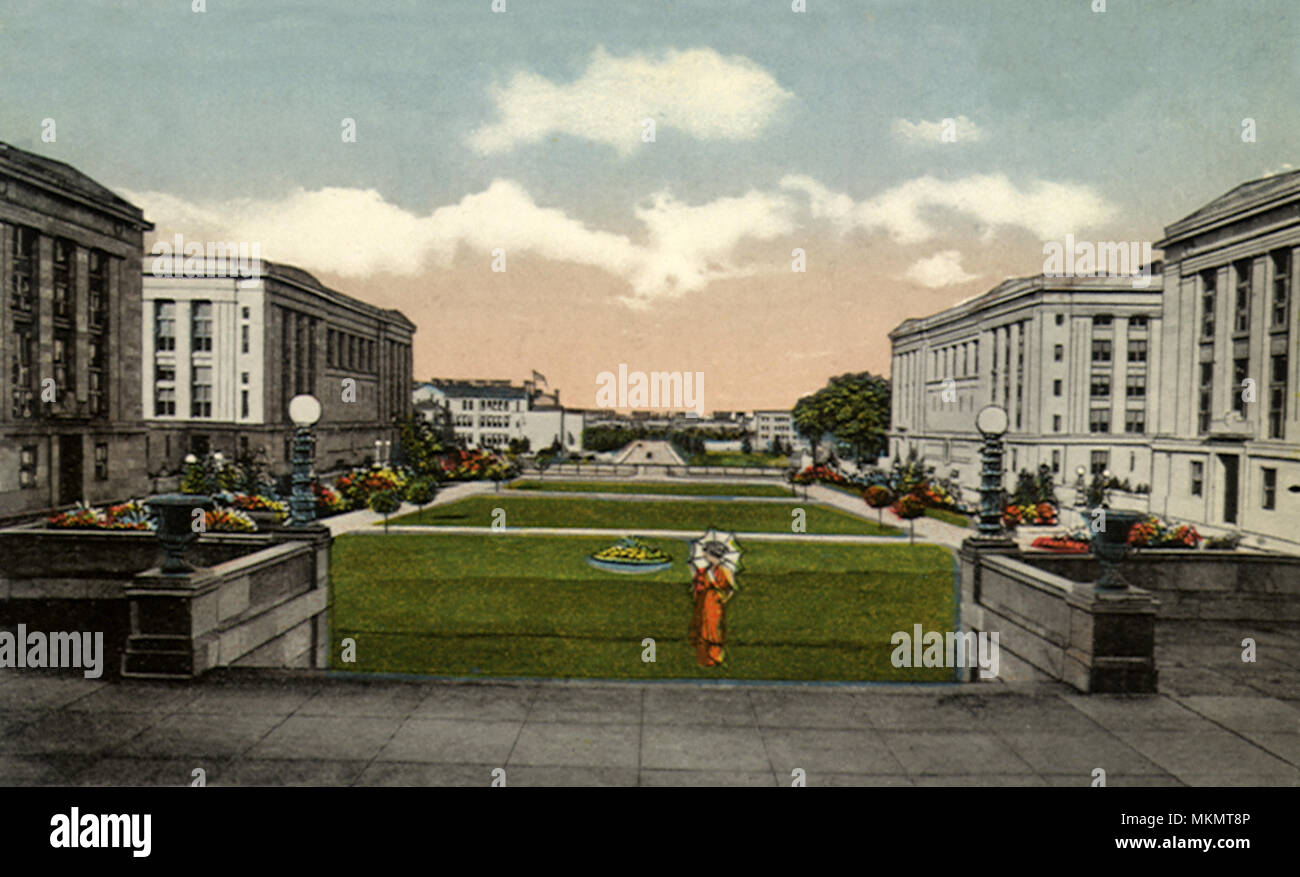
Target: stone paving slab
[(274, 728)]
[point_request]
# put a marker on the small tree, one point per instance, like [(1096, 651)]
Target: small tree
[(385, 502), (421, 492), (909, 509), (746, 446), (878, 496)]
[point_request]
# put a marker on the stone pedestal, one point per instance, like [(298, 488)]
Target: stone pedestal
[(1111, 648), (268, 608)]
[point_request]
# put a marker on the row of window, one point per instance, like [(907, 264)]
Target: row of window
[(1241, 392), (164, 326), (23, 283), (29, 455), (1279, 315), (488, 405), (1268, 484)]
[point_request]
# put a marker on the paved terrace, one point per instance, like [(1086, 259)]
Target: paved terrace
[(301, 728)]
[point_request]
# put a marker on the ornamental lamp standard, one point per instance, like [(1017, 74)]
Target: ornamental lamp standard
[(304, 411), (1080, 490), (991, 421)]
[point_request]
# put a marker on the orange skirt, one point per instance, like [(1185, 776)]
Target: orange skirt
[(708, 627)]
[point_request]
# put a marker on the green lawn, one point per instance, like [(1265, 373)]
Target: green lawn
[(643, 487), (949, 517), (736, 458), (548, 511), (518, 605)]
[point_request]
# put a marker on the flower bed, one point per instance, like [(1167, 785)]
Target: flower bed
[(462, 465), (1155, 533), (819, 474), (1061, 545), (228, 520), (357, 486), (1041, 514), (250, 503), (133, 515)]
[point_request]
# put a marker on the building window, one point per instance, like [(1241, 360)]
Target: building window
[(97, 289), (164, 325), (1100, 388), (1135, 387), (101, 461), (27, 466), (201, 334), (164, 404), (1269, 495), (1206, 395), (1056, 462), (1209, 286), (1281, 288), (1100, 462), (97, 395), (1137, 322), (1099, 420), (1102, 319), (329, 347), (65, 291), (22, 270), (243, 403), (201, 392), (1137, 350), (1135, 421), (243, 377), (21, 371), (1058, 352), (244, 338), (1056, 423), (65, 366), (1240, 371), (1241, 313), (1277, 396), (1101, 350), (1060, 319), (1198, 478), (243, 313), (1056, 387)]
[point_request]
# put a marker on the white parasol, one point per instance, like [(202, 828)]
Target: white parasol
[(731, 557)]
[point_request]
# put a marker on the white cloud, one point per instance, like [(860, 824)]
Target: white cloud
[(355, 232), (941, 269), (704, 94), (907, 212), (960, 130)]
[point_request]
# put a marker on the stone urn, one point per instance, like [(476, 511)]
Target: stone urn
[(176, 531), (1111, 547)]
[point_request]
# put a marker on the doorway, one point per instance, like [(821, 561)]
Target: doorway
[(1231, 486), (69, 469)]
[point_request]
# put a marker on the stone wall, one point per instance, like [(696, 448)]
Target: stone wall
[(1200, 585)]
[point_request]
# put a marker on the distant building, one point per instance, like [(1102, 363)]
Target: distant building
[(770, 425), (1227, 438), (490, 414), (70, 426), (224, 355), (1073, 360)]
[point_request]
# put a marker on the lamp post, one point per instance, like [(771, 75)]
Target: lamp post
[(991, 421), (304, 411)]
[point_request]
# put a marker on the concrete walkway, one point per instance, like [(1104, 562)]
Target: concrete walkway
[(302, 728)]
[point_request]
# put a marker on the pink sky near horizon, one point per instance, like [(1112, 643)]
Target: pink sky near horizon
[(762, 340)]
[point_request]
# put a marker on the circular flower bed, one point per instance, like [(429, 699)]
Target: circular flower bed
[(630, 555)]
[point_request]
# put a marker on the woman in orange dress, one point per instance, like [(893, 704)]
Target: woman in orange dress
[(713, 588)]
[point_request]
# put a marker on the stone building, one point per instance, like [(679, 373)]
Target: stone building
[(1227, 438), (70, 426), (227, 344), (1073, 360)]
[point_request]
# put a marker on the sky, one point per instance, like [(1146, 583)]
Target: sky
[(917, 153)]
